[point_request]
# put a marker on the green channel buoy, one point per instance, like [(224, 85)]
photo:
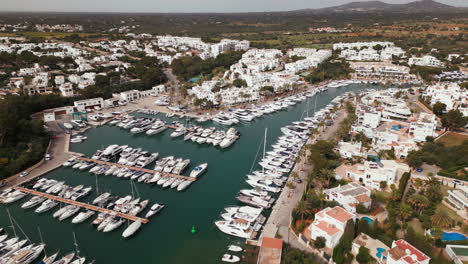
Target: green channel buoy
[(194, 230)]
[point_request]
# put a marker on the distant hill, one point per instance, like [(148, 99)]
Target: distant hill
[(421, 6)]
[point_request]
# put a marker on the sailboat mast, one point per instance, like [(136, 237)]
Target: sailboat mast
[(264, 147), (76, 245), (315, 104), (11, 222), (97, 186)]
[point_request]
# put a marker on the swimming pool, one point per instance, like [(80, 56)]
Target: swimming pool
[(397, 127), (368, 219), (453, 236), (379, 253)]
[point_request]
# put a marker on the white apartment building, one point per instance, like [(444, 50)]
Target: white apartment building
[(428, 61), (368, 116), (350, 149), (459, 197), (82, 105), (312, 60), (349, 196), (130, 95), (395, 109), (360, 45), (424, 126), (372, 173), (403, 252), (330, 224), (381, 70), (66, 89), (449, 94)]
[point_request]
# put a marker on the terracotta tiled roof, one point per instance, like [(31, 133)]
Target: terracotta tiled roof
[(339, 214), (269, 242), (328, 228)]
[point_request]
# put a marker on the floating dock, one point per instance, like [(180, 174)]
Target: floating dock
[(136, 168), (82, 205)]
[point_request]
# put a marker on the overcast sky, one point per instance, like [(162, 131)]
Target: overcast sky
[(179, 5)]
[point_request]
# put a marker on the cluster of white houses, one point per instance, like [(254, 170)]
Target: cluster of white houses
[(259, 68), (450, 94), (87, 105)]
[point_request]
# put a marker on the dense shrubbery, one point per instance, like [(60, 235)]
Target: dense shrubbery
[(189, 67), (23, 140), (440, 155), (293, 256), (329, 71)]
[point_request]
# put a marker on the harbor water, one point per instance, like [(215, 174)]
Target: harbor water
[(167, 238)]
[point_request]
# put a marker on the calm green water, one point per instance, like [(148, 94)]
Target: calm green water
[(167, 238)]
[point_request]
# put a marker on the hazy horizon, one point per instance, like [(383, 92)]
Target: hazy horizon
[(183, 6)]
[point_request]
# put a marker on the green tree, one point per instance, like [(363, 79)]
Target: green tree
[(442, 219), (303, 208), (418, 202), (454, 119), (404, 211), (439, 108), (363, 256), (319, 242)]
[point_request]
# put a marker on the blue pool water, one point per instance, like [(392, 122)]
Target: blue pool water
[(397, 127), (379, 253), (368, 219), (453, 237)]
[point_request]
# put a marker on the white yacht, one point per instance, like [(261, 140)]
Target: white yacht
[(82, 216), (46, 206), (183, 185), (70, 212), (33, 202), (131, 229), (65, 260), (114, 224), (155, 208), (230, 258), (198, 170), (238, 227)]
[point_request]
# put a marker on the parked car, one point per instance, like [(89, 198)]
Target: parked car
[(48, 157), (24, 174)]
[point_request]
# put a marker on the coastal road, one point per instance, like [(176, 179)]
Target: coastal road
[(281, 214), (58, 149)]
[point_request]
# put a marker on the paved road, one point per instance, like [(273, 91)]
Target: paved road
[(57, 149), (281, 213)]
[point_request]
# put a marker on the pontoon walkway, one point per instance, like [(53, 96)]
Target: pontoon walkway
[(83, 205), (135, 168)]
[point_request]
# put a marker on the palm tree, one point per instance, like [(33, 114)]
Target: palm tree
[(327, 174), (321, 196), (419, 202), (404, 211), (303, 208), (442, 219)]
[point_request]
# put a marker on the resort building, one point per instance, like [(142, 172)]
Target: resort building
[(360, 45), (66, 89), (370, 173), (350, 149), (349, 196), (459, 197), (403, 252), (82, 105), (381, 71), (449, 94), (368, 116), (330, 224), (425, 126), (428, 61)]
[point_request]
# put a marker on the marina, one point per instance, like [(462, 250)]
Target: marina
[(82, 205), (199, 206)]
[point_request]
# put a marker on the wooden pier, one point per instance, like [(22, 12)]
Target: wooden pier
[(136, 168), (83, 205)]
